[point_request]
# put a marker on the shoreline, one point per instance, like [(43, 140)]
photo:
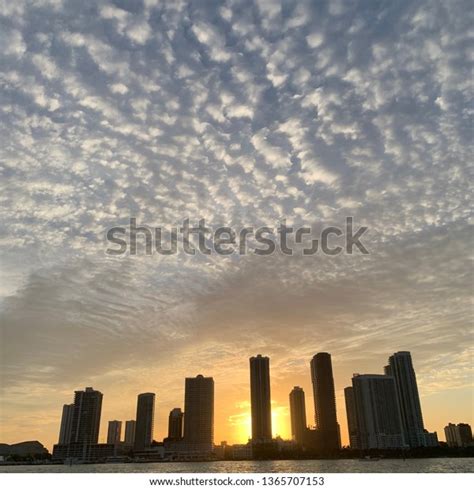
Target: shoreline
[(128, 462)]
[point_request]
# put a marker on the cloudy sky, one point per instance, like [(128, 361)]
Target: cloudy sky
[(242, 113)]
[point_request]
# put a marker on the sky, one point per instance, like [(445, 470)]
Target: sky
[(244, 114)]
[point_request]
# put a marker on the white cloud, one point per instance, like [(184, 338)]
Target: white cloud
[(12, 42), (239, 110), (119, 88), (139, 32), (214, 41), (46, 66), (315, 39), (274, 156)]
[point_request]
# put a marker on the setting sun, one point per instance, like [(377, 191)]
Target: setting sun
[(280, 422)]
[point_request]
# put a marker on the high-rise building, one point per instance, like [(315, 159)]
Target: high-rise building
[(431, 439), (175, 425), (458, 435), (199, 414), (85, 422), (114, 432), (401, 368), (66, 424), (325, 401), (260, 399), (377, 412), (130, 432), (144, 421), (298, 415), (351, 417)]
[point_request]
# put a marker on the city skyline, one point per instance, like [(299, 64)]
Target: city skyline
[(196, 387), (256, 113)]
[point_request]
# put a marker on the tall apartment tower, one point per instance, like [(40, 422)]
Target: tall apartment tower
[(298, 415), (325, 401), (144, 421), (130, 432), (114, 432), (401, 368), (260, 399), (85, 422), (175, 425), (377, 412), (458, 435), (199, 414), (66, 424), (351, 417)]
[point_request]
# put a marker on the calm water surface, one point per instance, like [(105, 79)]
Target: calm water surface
[(318, 466)]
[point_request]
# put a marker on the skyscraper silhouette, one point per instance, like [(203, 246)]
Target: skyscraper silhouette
[(199, 414), (175, 425), (144, 421), (377, 413), (351, 417), (66, 424), (130, 426), (401, 368), (298, 415), (325, 401), (260, 399), (114, 432), (85, 422)]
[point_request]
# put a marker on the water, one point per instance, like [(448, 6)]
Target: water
[(283, 466)]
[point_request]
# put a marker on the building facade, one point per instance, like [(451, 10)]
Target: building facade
[(130, 426), (66, 424), (114, 432), (325, 401), (85, 423), (298, 415), (458, 435), (260, 400), (351, 417), (175, 425), (144, 421), (400, 367), (199, 415), (377, 412)]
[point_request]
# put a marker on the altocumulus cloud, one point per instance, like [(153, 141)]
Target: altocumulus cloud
[(243, 113)]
